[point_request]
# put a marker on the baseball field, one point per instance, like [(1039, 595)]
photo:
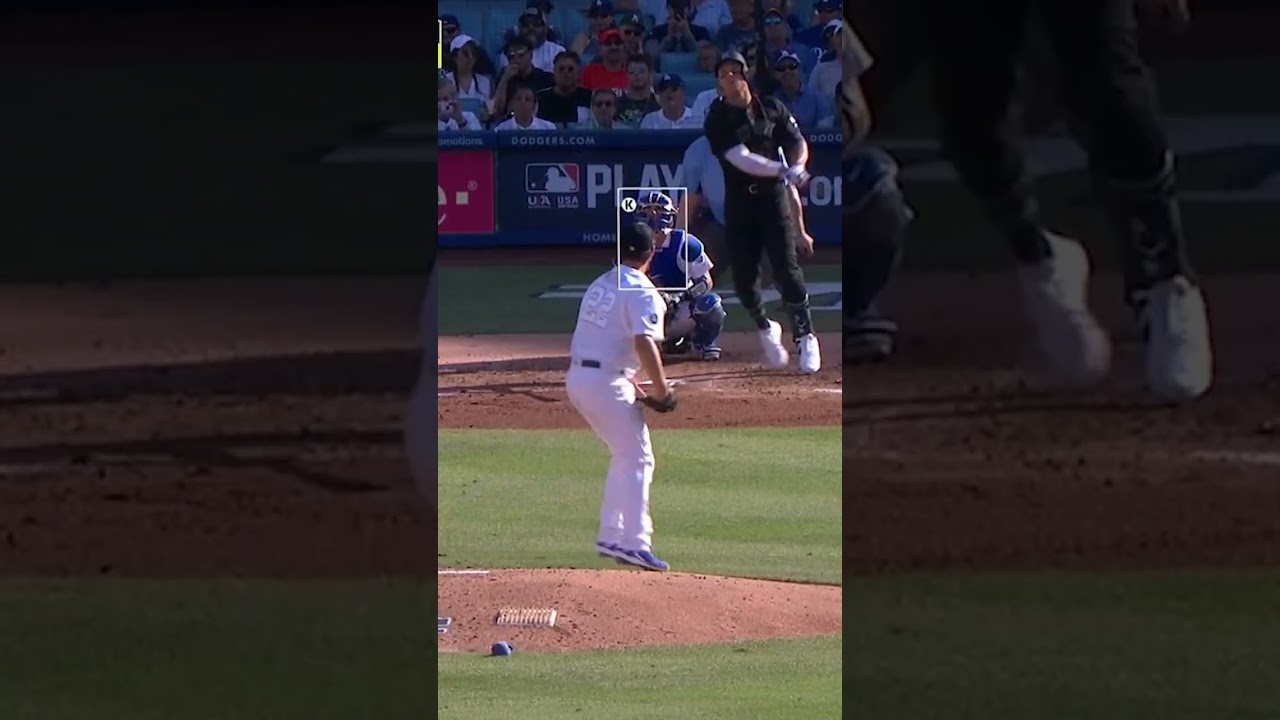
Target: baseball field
[(745, 503)]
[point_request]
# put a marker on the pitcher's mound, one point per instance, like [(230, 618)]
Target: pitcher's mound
[(603, 609)]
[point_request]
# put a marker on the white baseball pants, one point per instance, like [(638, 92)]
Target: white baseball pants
[(607, 400)]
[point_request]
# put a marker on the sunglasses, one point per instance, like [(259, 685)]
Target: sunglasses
[(603, 103), (788, 67), (517, 53), (631, 33), (566, 68), (612, 43), (451, 29), (532, 23)]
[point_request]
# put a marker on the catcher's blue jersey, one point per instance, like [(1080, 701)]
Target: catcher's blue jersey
[(679, 261)]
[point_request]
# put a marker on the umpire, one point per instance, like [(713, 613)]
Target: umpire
[(746, 134)]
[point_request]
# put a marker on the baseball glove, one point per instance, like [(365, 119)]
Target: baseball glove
[(663, 406)]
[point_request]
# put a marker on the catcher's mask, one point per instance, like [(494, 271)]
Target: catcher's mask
[(656, 210)]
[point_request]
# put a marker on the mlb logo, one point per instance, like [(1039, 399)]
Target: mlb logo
[(552, 178)]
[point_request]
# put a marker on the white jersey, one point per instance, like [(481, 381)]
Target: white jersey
[(617, 307)]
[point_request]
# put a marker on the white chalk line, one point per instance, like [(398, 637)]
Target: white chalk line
[(1266, 459), (462, 572)]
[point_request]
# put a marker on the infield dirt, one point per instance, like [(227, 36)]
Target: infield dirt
[(251, 428)]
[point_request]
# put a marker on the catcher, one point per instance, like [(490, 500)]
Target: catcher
[(681, 270)]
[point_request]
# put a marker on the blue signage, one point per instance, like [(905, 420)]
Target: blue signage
[(561, 188)]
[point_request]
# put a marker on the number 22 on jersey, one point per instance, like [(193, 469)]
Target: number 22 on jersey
[(596, 306)]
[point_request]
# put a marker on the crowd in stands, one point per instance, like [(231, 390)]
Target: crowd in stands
[(635, 64)]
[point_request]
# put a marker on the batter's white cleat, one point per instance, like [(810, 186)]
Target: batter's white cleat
[(810, 354), (1056, 291), (775, 354), (1175, 325)]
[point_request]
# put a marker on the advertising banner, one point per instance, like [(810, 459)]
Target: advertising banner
[(465, 193), (560, 189)]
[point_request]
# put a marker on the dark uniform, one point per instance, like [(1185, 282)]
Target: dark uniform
[(757, 212), (976, 49)]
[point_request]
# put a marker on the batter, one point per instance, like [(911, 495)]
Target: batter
[(620, 323)]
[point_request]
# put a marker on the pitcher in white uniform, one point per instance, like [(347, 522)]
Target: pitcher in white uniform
[(620, 324)]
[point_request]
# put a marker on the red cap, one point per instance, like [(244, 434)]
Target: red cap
[(608, 33)]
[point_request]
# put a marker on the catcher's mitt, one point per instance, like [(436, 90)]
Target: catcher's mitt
[(663, 406)]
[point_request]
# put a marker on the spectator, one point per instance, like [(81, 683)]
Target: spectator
[(534, 29), (452, 116), (710, 14), (519, 53), (599, 18), (742, 31), (702, 103), (566, 102), (611, 72), (824, 11), (604, 110), (638, 99), (808, 109), (829, 72), (524, 108), (633, 32), (673, 113), (777, 39), (708, 54), (677, 34), (450, 27), (784, 7), (545, 7), (470, 69)]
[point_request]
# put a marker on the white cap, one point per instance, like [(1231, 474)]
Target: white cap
[(460, 41)]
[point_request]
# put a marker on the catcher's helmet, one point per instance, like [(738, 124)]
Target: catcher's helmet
[(656, 209)]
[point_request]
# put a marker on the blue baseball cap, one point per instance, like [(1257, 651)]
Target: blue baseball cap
[(782, 56), (828, 6), (668, 81), (599, 8), (450, 21), (540, 4)]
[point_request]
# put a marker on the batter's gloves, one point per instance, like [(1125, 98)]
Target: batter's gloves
[(665, 405)]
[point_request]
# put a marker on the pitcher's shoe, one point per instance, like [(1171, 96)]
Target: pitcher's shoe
[(1055, 291), (775, 355), (642, 559), (810, 354), (607, 550), (1175, 326), (709, 353)]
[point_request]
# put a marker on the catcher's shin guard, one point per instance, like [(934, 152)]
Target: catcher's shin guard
[(708, 316)]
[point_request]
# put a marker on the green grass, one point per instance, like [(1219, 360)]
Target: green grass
[(203, 650), (750, 502), (781, 680), (504, 299), (1186, 646)]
